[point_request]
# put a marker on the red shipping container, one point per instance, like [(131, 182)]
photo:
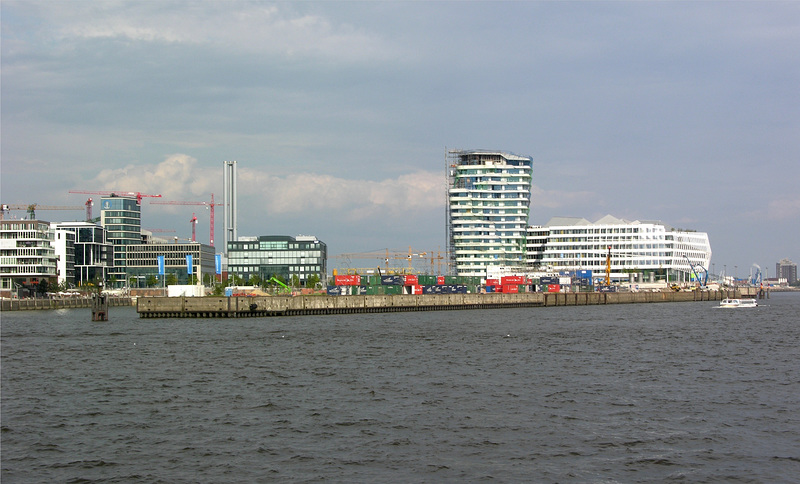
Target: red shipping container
[(554, 288), (416, 289), (492, 282), (509, 288), (410, 280), (347, 280), (439, 280), (508, 280)]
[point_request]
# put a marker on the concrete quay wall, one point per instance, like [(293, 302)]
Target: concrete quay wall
[(263, 306), (56, 303)]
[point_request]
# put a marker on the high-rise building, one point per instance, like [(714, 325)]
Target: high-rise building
[(121, 216), (786, 269), (489, 194)]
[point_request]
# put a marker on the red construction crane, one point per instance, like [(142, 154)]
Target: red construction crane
[(138, 195), (209, 205), (193, 221)]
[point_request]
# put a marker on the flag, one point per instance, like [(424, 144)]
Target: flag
[(189, 264), (160, 265), (218, 263)]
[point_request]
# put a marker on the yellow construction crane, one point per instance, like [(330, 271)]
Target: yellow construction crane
[(384, 255), (33, 207)]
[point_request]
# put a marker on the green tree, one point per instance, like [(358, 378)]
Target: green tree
[(295, 280), (151, 280), (206, 279), (312, 280), (172, 279), (255, 280)]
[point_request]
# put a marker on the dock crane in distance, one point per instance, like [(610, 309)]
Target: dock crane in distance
[(209, 205), (33, 207)]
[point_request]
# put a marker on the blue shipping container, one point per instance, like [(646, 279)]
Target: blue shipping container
[(392, 280)]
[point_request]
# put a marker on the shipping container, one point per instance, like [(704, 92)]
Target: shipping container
[(410, 280), (392, 280), (492, 282), (347, 280), (606, 288), (546, 281), (510, 289), (508, 280), (584, 274), (553, 288), (490, 289), (440, 280)]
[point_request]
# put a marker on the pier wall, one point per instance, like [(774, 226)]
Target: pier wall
[(65, 303), (261, 306)]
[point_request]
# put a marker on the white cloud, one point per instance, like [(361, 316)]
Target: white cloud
[(241, 26), (179, 177)]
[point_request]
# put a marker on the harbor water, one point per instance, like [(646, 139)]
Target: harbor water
[(619, 393)]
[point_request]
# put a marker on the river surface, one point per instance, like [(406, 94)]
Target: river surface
[(624, 393)]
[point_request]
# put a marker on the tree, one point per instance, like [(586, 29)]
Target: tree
[(255, 280), (312, 280), (172, 279), (151, 280), (206, 279), (295, 280)]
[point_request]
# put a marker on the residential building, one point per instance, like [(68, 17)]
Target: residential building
[(653, 250), (64, 246), (27, 258), (278, 255), (489, 194), (786, 269), (93, 253)]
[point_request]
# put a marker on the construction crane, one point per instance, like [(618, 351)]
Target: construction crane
[(193, 221), (33, 207), (608, 267), (385, 256), (209, 205), (138, 195)]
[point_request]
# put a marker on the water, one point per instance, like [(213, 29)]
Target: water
[(624, 393)]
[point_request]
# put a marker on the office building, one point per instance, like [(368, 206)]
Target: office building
[(654, 250), (278, 255), (121, 216), (786, 269)]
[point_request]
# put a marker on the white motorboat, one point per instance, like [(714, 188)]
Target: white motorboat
[(738, 303)]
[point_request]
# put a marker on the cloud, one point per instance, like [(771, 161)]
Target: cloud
[(179, 177), (253, 27)]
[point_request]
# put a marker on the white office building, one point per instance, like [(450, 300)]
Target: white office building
[(650, 251), (489, 194)]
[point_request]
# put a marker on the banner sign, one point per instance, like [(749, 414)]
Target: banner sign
[(218, 263), (160, 265), (189, 264)]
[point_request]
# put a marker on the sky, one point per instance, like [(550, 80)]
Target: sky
[(339, 114)]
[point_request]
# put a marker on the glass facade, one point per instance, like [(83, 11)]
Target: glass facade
[(278, 255), (122, 219)]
